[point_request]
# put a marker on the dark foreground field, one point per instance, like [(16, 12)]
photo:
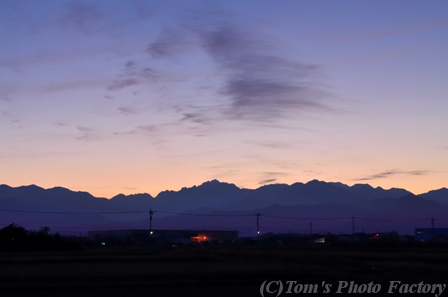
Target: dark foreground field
[(218, 271)]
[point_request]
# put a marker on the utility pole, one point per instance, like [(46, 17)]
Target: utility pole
[(353, 225), (150, 225), (432, 225), (258, 226)]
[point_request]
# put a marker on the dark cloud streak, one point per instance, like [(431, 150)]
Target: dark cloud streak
[(83, 16), (390, 173), (121, 84), (84, 129), (268, 181), (127, 110), (132, 74), (258, 80), (260, 84)]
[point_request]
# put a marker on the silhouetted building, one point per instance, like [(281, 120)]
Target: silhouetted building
[(161, 237), (431, 234), (393, 235)]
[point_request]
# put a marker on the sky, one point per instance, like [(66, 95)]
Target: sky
[(123, 96)]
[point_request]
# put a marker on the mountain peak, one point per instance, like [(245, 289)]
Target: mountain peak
[(362, 186), (315, 182), (132, 196), (215, 182), (212, 182), (31, 187)]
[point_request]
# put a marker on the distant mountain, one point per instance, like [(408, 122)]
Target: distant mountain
[(64, 210), (62, 199), (229, 197), (210, 194), (440, 195), (132, 202)]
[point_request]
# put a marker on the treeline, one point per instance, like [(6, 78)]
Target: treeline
[(17, 238)]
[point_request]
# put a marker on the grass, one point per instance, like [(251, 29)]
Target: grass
[(202, 271)]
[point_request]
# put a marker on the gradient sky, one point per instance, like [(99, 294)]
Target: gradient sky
[(142, 96)]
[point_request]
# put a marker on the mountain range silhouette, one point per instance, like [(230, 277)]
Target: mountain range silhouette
[(329, 206)]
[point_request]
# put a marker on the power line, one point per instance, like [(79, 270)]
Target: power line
[(387, 220), (217, 215), (307, 218), (71, 213), (204, 215)]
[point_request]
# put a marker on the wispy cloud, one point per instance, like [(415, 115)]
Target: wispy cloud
[(140, 129), (389, 173), (267, 181), (270, 177), (90, 134), (74, 84), (132, 74), (84, 128), (253, 76), (127, 110), (271, 144), (259, 83), (117, 85), (406, 29), (82, 16), (168, 43), (61, 124), (148, 128), (87, 137), (6, 92)]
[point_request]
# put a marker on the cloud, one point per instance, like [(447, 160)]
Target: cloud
[(406, 29), (276, 173), (385, 174), (144, 9), (127, 110), (270, 177), (6, 92), (61, 124), (89, 134), (260, 83), (254, 77), (267, 181), (132, 74), (271, 144), (196, 117), (87, 137), (168, 43), (148, 128), (141, 129), (83, 16), (130, 188), (117, 85), (84, 128), (73, 85)]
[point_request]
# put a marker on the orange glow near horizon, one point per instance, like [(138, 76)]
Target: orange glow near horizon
[(108, 188)]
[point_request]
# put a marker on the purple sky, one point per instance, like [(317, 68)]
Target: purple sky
[(141, 96)]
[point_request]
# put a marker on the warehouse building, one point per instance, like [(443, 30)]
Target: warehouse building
[(161, 236), (431, 235)]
